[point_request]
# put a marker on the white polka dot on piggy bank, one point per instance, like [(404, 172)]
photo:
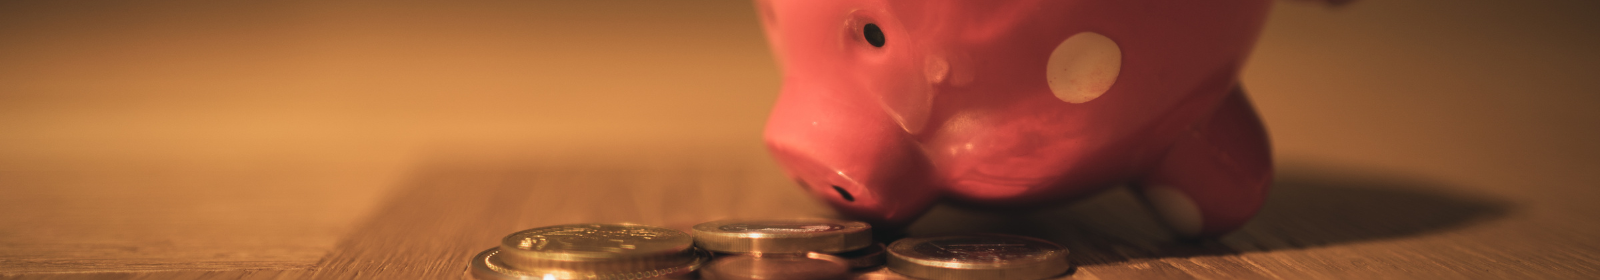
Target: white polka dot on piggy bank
[(1083, 67)]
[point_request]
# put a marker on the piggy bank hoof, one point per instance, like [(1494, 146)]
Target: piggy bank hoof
[(1176, 210)]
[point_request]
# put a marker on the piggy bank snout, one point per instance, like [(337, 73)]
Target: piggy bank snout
[(886, 187), (855, 158)]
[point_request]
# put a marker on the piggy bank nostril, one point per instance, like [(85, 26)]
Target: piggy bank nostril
[(844, 194), (873, 34)]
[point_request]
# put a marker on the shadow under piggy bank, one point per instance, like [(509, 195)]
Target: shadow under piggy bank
[(1307, 208)]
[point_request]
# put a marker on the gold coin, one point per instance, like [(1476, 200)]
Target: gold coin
[(588, 251), (783, 236)]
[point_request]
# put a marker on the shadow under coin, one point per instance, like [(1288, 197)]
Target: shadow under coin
[(1307, 208)]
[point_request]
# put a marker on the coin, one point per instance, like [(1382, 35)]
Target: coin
[(591, 251), (487, 266), (987, 256), (813, 266), (596, 247), (783, 236), (871, 256)]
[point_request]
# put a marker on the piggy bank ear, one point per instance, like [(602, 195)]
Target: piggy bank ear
[(769, 26), (764, 11)]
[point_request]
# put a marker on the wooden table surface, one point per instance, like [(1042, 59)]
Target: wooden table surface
[(264, 140)]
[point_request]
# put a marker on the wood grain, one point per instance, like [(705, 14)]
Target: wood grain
[(1320, 223), (142, 215)]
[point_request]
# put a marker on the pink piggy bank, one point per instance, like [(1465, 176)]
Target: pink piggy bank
[(888, 107)]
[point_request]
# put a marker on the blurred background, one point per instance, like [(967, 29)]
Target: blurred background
[(139, 135)]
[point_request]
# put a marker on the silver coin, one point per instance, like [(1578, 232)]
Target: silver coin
[(783, 236), (987, 256)]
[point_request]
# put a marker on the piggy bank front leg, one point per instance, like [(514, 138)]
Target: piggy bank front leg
[(1216, 176)]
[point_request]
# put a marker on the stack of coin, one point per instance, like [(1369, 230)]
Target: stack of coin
[(851, 240), (591, 251), (802, 249), (787, 248)]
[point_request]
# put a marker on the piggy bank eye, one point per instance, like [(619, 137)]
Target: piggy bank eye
[(873, 34)]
